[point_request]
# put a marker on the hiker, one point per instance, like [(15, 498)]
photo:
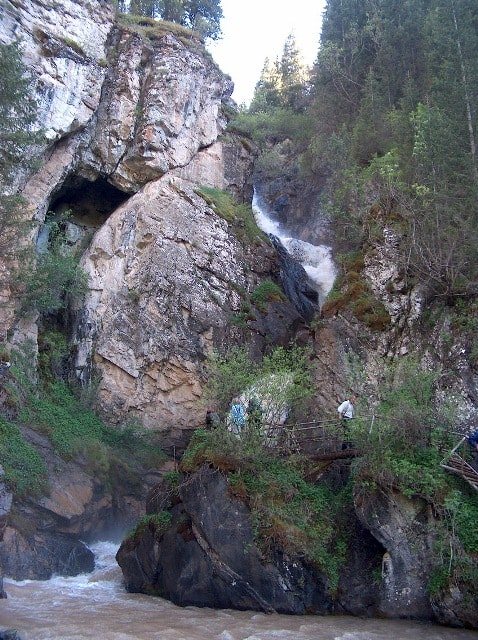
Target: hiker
[(254, 413), (212, 419), (346, 412), (237, 417), (472, 438)]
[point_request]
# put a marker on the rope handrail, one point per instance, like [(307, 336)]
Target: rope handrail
[(314, 423)]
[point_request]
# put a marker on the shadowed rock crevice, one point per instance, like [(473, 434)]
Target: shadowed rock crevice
[(90, 203)]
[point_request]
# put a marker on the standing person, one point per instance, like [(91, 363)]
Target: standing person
[(212, 419), (346, 412), (472, 438), (254, 413), (237, 416)]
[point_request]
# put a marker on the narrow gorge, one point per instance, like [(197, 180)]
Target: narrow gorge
[(188, 261)]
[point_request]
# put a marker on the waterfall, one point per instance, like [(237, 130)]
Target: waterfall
[(315, 259)]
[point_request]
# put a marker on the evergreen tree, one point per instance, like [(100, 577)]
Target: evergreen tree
[(204, 16), (172, 10), (17, 115), (267, 92), (397, 85), (17, 110), (292, 75)]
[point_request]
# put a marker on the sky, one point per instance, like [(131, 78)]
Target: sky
[(254, 30)]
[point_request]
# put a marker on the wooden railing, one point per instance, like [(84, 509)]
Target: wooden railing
[(460, 462)]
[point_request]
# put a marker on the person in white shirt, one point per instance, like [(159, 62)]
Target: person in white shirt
[(347, 408), (346, 412)]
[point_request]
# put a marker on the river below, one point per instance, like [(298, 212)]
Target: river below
[(97, 606)]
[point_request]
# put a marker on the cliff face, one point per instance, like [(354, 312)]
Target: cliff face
[(132, 125)]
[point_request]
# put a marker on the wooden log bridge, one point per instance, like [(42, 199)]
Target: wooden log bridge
[(456, 463)]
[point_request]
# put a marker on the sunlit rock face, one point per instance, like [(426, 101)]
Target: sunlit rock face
[(64, 47), (164, 276), (161, 104)]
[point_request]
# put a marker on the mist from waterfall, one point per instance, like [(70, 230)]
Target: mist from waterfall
[(316, 259)]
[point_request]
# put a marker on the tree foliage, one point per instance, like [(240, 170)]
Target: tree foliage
[(399, 81), (202, 16), (17, 117)]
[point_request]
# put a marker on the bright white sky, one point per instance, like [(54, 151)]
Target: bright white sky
[(254, 30)]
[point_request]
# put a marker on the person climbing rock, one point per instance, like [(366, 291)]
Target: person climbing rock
[(237, 417), (346, 412)]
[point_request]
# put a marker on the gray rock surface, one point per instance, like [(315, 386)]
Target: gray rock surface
[(164, 275), (404, 529), (207, 557)]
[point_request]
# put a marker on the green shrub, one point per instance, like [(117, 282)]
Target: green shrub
[(25, 470), (351, 292), (157, 522), (235, 373), (58, 413), (73, 45), (54, 279), (52, 353), (239, 216), (267, 291)]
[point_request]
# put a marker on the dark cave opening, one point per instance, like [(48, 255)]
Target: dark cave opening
[(89, 203)]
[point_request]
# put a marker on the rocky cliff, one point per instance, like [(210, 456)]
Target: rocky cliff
[(132, 116)]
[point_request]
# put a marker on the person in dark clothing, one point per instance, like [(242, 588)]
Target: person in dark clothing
[(254, 413), (472, 438), (212, 419)]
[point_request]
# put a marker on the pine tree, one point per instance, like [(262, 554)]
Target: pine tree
[(267, 92), (292, 75), (17, 115), (17, 110)]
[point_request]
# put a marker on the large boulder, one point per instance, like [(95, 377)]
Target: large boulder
[(166, 276), (207, 556), (403, 527)]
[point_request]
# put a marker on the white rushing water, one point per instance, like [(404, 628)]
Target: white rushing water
[(96, 606), (316, 259)]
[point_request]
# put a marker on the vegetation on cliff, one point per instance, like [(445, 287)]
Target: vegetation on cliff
[(201, 16), (17, 115), (388, 121)]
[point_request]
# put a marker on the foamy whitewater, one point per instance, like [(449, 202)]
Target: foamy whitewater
[(316, 259), (96, 606)]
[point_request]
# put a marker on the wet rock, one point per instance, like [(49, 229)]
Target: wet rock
[(207, 557), (40, 555), (295, 283), (403, 528), (10, 634)]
